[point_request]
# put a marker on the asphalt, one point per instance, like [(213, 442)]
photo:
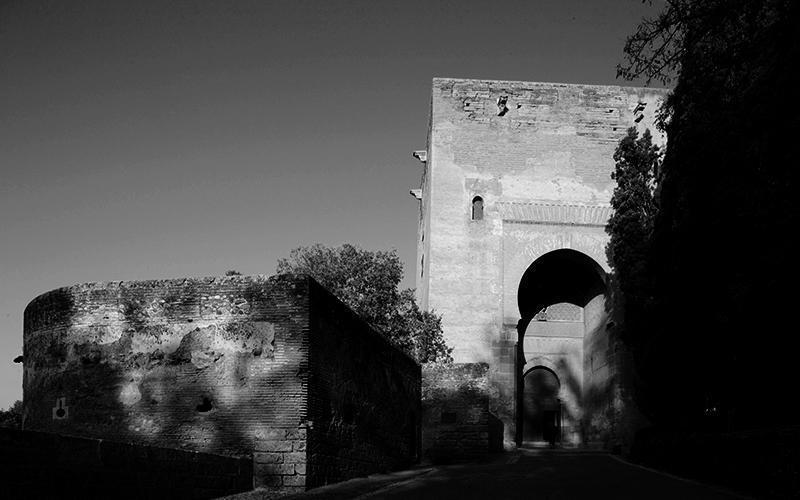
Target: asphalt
[(529, 474)]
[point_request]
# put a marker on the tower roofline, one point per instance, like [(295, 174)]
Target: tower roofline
[(520, 83)]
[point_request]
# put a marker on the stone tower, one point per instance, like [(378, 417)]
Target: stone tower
[(511, 243)]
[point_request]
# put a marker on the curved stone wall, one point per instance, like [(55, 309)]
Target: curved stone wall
[(188, 363)]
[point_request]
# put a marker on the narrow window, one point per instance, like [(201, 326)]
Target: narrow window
[(477, 208)]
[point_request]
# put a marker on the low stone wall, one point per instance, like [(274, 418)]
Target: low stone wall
[(45, 465), (457, 422)]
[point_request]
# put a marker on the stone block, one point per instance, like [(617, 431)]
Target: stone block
[(296, 480), (267, 458), (294, 457), (274, 446), (273, 469), (267, 481)]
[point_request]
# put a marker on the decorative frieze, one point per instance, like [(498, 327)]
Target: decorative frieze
[(547, 212)]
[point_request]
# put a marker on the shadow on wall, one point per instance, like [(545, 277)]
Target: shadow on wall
[(178, 363), (607, 417), (596, 418), (269, 367), (457, 422)]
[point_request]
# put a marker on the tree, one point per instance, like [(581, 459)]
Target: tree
[(631, 225), (368, 281), (630, 230), (232, 272), (12, 417), (657, 48), (720, 258)]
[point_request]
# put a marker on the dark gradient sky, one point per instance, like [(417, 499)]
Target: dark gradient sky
[(172, 138)]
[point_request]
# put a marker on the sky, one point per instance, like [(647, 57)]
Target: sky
[(153, 139)]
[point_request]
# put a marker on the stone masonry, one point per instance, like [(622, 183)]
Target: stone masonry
[(276, 369), (513, 173)]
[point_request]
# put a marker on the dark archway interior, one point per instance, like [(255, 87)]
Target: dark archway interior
[(559, 276), (541, 407)]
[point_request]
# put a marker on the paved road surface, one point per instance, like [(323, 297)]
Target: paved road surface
[(530, 474), (549, 476)]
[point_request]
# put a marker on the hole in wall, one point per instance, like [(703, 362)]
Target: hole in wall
[(205, 405), (502, 109)]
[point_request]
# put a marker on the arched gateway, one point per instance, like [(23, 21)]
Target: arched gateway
[(541, 406), (556, 334), (523, 285)]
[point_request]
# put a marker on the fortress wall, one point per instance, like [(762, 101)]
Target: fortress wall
[(209, 364), (225, 366), (541, 157), (546, 144), (364, 397)]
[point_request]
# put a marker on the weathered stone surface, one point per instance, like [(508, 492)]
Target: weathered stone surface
[(276, 369), (539, 156), (190, 363), (457, 422)]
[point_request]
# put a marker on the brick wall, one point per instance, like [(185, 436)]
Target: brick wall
[(364, 397), (210, 364), (45, 465), (457, 422), (276, 369), (279, 460)]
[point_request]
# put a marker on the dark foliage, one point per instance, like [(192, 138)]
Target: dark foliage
[(630, 227), (719, 350), (368, 283), (630, 231), (12, 417)]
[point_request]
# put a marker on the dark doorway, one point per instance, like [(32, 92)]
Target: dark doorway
[(541, 406)]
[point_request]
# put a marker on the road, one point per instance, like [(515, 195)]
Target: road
[(553, 476), (530, 474)]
